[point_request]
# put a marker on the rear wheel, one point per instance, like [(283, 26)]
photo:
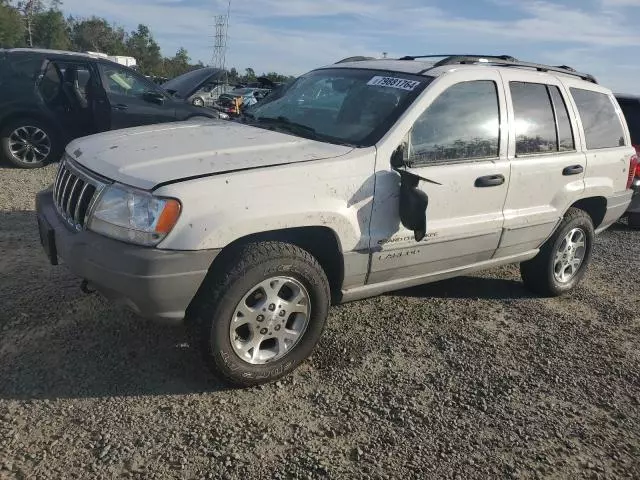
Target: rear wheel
[(28, 143), (564, 258), (258, 316)]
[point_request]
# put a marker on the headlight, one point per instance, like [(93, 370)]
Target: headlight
[(133, 215)]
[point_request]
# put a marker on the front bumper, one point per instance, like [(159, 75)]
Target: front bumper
[(634, 207), (154, 283)]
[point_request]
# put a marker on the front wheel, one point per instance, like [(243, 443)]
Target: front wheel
[(634, 220), (564, 258), (257, 317), (198, 102)]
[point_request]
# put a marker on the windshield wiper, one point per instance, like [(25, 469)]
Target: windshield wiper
[(295, 128), (287, 124)]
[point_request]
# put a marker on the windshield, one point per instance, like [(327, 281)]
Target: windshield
[(347, 106)]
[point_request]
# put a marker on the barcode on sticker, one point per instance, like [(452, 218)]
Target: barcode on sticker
[(393, 82)]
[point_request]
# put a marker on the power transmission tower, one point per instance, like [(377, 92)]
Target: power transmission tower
[(218, 59)]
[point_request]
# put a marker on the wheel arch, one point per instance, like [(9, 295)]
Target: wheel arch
[(320, 241), (595, 207), (31, 114)]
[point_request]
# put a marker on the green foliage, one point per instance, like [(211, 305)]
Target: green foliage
[(141, 45), (11, 26), (96, 35), (178, 64), (51, 30)]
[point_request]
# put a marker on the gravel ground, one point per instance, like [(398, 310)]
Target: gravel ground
[(468, 378)]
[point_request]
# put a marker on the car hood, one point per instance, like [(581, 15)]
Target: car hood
[(185, 85), (145, 157)]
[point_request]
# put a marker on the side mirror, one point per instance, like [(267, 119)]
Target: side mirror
[(413, 205), (153, 97), (413, 201)]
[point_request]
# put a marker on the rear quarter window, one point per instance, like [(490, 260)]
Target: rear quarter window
[(600, 121)]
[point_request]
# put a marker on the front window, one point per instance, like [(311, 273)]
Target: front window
[(122, 81), (354, 107)]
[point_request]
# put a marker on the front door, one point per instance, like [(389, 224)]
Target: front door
[(547, 173), (130, 99), (457, 142)]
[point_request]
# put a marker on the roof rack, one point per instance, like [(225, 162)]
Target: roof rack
[(502, 60), (461, 57)]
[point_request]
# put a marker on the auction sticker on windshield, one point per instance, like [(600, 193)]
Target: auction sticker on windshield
[(393, 82)]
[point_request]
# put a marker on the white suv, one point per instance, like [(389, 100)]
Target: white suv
[(357, 179)]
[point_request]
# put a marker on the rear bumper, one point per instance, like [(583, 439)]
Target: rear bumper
[(617, 204), (154, 283)]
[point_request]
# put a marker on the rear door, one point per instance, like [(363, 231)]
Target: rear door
[(605, 140), (547, 163), (130, 100), (456, 142)]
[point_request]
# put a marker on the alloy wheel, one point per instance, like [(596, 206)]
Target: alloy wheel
[(29, 144), (570, 255), (270, 320)]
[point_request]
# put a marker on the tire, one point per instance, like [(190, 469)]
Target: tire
[(42, 140), (234, 288), (540, 274), (634, 220), (198, 102)]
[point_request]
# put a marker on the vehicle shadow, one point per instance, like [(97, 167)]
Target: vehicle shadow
[(622, 225), (57, 342), (485, 288)]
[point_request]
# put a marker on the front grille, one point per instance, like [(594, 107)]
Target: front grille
[(74, 193)]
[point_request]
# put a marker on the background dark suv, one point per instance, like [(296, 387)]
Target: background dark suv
[(630, 105), (48, 98)]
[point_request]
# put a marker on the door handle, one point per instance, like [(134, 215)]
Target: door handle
[(489, 181), (120, 106), (573, 170)]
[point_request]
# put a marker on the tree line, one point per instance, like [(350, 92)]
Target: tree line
[(43, 24)]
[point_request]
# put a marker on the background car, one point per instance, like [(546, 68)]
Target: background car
[(209, 94), (630, 105), (51, 97)]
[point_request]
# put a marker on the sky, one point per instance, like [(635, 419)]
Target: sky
[(600, 37)]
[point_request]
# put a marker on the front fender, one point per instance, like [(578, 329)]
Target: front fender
[(333, 193)]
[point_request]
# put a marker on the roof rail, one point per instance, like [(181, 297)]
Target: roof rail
[(502, 60), (460, 56), (357, 58)]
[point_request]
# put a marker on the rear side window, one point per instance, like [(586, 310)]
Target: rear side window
[(535, 125), (631, 110), (462, 123), (601, 124), (565, 134)]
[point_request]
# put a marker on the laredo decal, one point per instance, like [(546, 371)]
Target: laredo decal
[(398, 254), (408, 238)]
